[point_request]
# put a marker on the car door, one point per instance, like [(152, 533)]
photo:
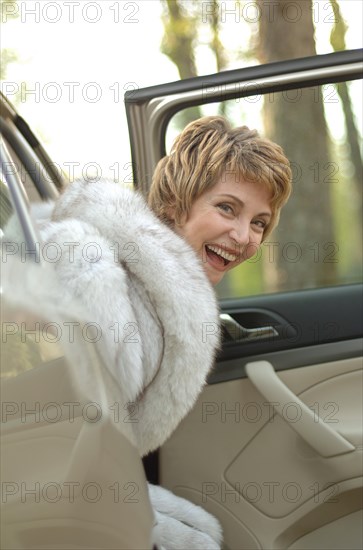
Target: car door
[(71, 475), (273, 447)]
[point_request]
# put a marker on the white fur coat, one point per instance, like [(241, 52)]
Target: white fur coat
[(147, 290), (119, 267)]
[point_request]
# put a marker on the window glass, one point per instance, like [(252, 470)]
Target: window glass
[(10, 228), (318, 241), (48, 355), (26, 340), (6, 207), (24, 176)]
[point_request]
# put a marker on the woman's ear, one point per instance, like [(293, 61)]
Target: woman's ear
[(170, 213), (172, 217)]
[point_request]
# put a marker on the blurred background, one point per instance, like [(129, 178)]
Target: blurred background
[(66, 65)]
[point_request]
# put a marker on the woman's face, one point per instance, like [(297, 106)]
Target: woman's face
[(226, 224)]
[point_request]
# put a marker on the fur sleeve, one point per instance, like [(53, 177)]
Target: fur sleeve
[(89, 273)]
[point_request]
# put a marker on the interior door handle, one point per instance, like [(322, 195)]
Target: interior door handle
[(320, 436), (238, 332)]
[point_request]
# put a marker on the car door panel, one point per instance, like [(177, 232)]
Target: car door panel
[(248, 466), (70, 469), (337, 318)]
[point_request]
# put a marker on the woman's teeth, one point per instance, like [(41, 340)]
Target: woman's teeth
[(225, 255)]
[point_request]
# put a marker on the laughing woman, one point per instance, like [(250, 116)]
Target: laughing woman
[(212, 202)]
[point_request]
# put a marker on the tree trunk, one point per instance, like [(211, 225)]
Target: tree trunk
[(337, 40), (295, 119), (178, 44)]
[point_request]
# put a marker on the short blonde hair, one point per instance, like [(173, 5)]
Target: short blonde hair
[(208, 148)]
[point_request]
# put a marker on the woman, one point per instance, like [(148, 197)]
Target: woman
[(150, 271), (208, 160)]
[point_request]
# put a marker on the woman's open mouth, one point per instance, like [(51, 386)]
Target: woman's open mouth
[(218, 257)]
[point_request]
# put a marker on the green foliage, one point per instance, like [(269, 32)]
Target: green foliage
[(8, 10), (17, 355), (7, 55), (179, 38), (244, 280), (337, 35)]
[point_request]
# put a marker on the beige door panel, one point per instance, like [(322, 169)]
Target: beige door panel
[(307, 423), (240, 460), (98, 499), (335, 535), (71, 477)]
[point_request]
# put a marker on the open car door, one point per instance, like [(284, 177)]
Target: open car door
[(71, 474), (273, 447)]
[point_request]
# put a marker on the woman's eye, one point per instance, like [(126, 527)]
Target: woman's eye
[(262, 224), (226, 208)]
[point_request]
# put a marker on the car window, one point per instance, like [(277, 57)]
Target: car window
[(6, 207), (27, 160), (11, 232), (25, 177), (26, 340), (318, 242)]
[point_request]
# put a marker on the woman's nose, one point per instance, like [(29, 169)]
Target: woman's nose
[(240, 233)]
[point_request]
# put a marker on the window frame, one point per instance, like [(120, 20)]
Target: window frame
[(149, 110)]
